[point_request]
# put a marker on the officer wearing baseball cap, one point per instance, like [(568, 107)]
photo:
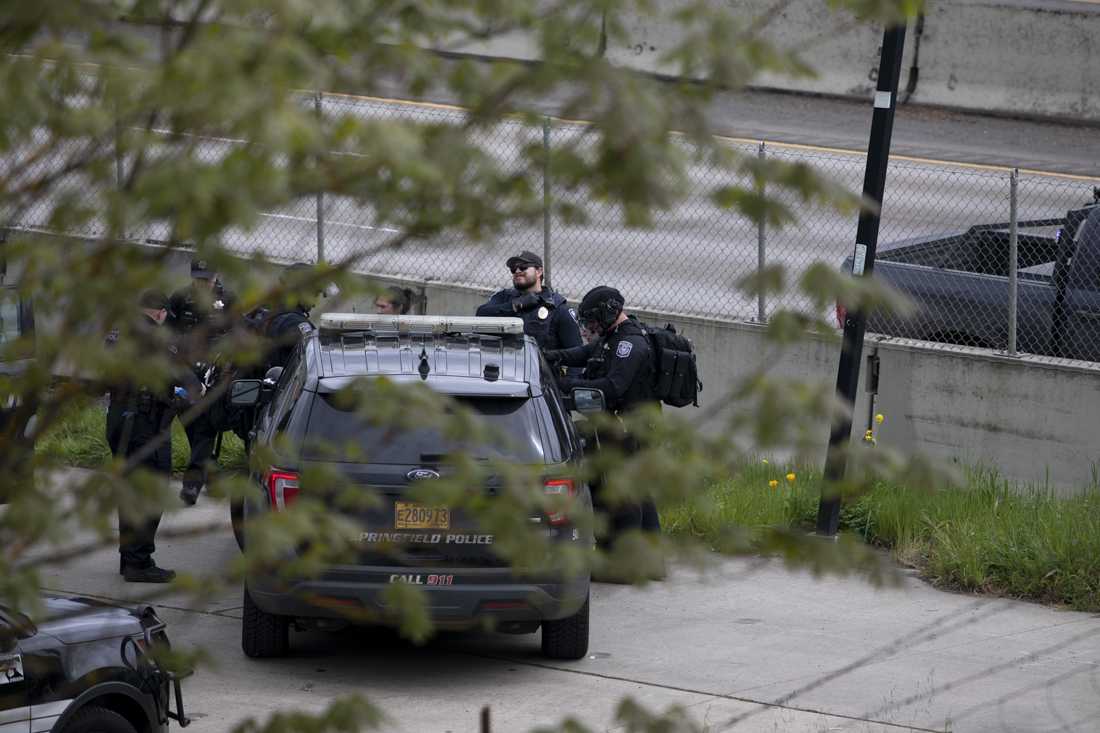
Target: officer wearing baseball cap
[(546, 315)]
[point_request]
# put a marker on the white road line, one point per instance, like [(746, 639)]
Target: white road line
[(330, 222)]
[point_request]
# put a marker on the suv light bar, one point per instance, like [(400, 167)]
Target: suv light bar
[(420, 324)]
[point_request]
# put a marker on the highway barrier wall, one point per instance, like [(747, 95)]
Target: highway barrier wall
[(1017, 57), (1031, 420)]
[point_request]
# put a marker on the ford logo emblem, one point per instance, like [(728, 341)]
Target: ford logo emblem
[(419, 474)]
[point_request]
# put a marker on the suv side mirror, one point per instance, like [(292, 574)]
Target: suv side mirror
[(245, 392), (585, 399)]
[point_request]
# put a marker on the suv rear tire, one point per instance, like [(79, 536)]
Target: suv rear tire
[(566, 638), (236, 519), (95, 719), (263, 635)]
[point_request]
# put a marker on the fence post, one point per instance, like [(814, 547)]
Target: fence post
[(546, 201), (317, 106), (120, 163), (761, 245), (1013, 257)]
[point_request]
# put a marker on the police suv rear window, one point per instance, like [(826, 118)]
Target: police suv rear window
[(332, 428)]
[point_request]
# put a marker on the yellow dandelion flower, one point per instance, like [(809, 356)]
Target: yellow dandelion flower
[(765, 461), (791, 477), (868, 436), (880, 418), (773, 483)]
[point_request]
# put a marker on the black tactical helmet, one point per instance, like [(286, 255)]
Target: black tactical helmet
[(601, 304)]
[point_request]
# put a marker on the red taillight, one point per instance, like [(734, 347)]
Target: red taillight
[(559, 487), (282, 488), (841, 314)]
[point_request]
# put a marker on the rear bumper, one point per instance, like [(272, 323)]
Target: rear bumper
[(456, 597)]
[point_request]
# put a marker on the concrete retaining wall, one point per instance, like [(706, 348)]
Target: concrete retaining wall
[(1039, 58), (843, 52), (1026, 57), (1031, 420)]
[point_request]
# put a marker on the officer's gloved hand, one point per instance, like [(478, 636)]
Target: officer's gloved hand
[(553, 356), (526, 302)]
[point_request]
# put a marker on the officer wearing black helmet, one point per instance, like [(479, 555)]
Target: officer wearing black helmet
[(546, 315), (619, 363)]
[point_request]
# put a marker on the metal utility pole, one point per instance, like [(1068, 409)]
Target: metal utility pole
[(863, 263), (318, 108)]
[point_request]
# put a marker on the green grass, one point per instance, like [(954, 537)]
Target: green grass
[(986, 536), (79, 439)]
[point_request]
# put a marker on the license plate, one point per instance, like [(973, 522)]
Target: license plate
[(407, 515)]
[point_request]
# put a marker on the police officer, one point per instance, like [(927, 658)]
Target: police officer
[(619, 363), (286, 326), (139, 420), (200, 306), (546, 315), (197, 314)]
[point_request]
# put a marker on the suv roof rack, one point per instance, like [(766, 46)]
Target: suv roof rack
[(420, 324)]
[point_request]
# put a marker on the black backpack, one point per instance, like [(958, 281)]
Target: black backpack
[(675, 372)]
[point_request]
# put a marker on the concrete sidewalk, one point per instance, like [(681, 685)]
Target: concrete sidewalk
[(750, 648)]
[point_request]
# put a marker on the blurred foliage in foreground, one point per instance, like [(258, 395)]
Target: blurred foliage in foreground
[(180, 122)]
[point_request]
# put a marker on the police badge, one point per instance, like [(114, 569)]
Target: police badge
[(543, 313)]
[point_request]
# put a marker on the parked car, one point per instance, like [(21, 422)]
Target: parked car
[(85, 669), (486, 364), (959, 284)]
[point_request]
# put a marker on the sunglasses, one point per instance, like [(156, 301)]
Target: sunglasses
[(518, 268)]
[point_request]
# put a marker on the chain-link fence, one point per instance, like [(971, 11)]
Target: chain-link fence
[(946, 239)]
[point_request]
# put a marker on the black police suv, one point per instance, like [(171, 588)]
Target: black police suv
[(85, 669), (486, 364)]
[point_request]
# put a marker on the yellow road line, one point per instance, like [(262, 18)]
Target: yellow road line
[(755, 141)]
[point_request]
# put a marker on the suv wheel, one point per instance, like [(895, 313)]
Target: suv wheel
[(98, 720), (236, 518), (263, 634), (566, 638)]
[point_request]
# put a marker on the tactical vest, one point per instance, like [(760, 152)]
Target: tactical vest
[(538, 323)]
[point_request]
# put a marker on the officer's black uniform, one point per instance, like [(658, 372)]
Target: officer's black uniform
[(285, 330), (199, 318), (546, 315), (137, 416), (620, 364)]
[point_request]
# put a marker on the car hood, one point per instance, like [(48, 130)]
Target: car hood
[(80, 620)]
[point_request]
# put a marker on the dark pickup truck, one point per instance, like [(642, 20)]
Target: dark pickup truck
[(960, 286)]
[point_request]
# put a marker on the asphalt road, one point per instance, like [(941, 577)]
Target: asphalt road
[(690, 261), (749, 646)]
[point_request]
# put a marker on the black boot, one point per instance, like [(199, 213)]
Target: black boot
[(150, 574), (189, 494)]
